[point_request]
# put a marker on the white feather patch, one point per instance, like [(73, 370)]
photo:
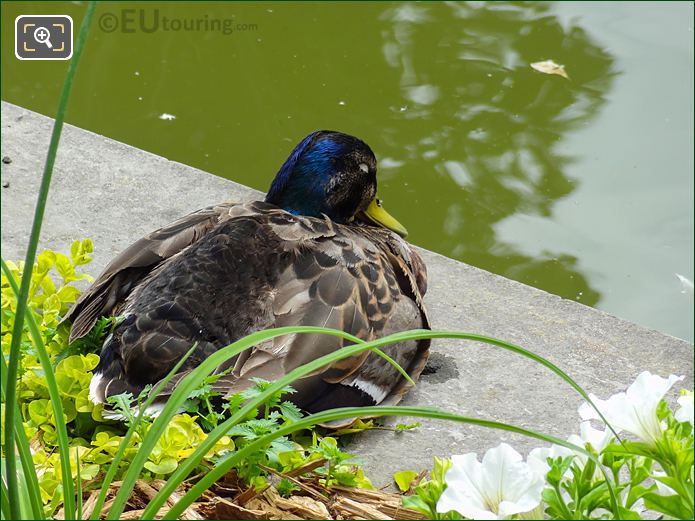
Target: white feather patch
[(377, 392), (154, 410), (93, 385)]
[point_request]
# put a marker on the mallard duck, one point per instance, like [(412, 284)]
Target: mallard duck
[(320, 250)]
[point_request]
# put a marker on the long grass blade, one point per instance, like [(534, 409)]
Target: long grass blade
[(348, 412), (79, 483), (188, 465), (191, 382), (25, 458), (15, 352), (56, 402), (24, 502), (4, 500), (168, 413), (391, 361)]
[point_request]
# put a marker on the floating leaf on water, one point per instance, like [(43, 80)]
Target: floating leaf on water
[(550, 67)]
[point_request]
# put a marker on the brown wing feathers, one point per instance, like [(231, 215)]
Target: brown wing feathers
[(129, 268)]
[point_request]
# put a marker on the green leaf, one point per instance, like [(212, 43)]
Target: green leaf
[(673, 505), (290, 412), (416, 503), (626, 513), (358, 425), (64, 267), (596, 496), (637, 492), (558, 467), (286, 488), (203, 390), (404, 478), (165, 466), (441, 467), (80, 252)]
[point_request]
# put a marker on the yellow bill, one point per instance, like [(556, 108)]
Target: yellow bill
[(376, 214)]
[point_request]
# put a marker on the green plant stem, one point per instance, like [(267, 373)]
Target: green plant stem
[(391, 361), (79, 483), (561, 500), (193, 379), (188, 465), (27, 461), (15, 352), (56, 402), (348, 412)]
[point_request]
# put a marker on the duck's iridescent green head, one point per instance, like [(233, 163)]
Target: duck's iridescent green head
[(334, 174)]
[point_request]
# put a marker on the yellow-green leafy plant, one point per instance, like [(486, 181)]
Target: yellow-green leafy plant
[(91, 437)]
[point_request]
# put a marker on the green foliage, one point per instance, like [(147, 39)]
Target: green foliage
[(669, 462), (51, 294), (428, 492), (336, 471), (93, 439), (660, 475), (404, 478), (286, 488)]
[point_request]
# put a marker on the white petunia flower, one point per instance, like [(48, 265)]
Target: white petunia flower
[(634, 410), (685, 413), (598, 439), (538, 458), (501, 486)]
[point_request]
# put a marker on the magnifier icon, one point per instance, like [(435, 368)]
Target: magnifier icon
[(43, 35)]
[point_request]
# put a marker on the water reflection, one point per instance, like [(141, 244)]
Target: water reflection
[(475, 113), (469, 137)]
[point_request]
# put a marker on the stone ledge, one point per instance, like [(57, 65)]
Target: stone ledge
[(114, 193)]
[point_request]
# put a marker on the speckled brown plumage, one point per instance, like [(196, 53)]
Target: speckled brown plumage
[(223, 272)]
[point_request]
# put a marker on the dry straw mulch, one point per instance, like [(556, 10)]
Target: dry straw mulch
[(230, 499)]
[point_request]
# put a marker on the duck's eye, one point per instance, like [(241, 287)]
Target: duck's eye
[(378, 202), (364, 168)]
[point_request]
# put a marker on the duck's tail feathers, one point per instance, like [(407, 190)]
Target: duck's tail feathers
[(109, 379)]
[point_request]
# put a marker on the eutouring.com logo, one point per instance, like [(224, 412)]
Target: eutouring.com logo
[(152, 21)]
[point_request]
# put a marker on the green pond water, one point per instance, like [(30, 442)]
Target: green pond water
[(581, 187)]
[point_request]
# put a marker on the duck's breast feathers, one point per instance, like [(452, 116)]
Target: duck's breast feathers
[(136, 262), (406, 262)]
